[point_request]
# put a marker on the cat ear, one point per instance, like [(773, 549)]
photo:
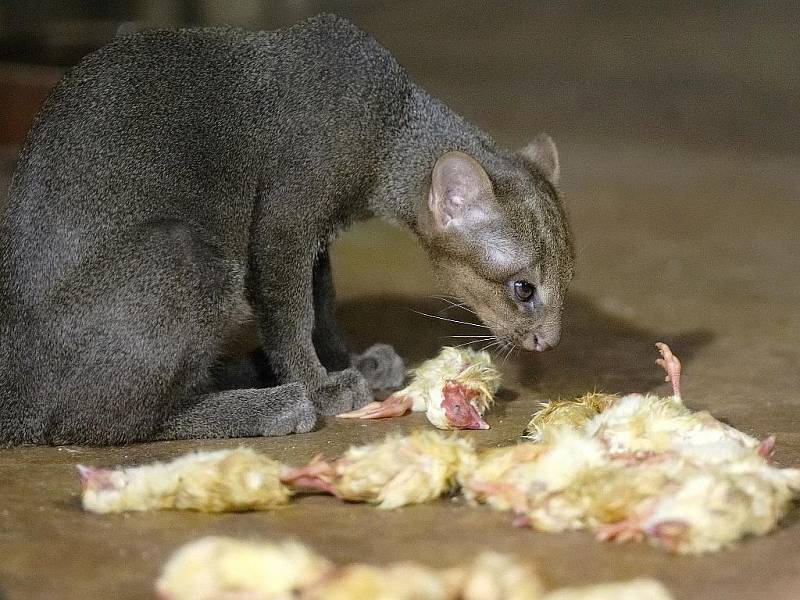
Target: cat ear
[(459, 190), (543, 154)]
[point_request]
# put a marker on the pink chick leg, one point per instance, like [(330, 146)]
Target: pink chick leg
[(511, 494), (767, 447), (670, 363), (670, 534), (395, 405), (93, 478), (317, 475), (622, 531)]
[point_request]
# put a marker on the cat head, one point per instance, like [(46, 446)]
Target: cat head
[(498, 239)]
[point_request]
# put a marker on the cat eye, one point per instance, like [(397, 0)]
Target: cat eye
[(524, 291)]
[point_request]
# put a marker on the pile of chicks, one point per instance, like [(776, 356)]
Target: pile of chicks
[(638, 467), (630, 468), (213, 568)]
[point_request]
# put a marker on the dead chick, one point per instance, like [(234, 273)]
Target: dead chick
[(644, 423), (400, 470), (495, 576), (529, 477), (491, 576), (219, 568), (454, 389), (707, 507), (224, 480), (403, 581), (636, 589)]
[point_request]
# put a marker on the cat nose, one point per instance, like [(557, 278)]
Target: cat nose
[(537, 342), (542, 346)]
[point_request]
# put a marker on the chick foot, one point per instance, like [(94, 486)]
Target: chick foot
[(395, 405), (767, 447), (669, 534), (670, 363), (94, 478), (317, 476)]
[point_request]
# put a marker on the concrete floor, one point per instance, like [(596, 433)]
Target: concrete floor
[(682, 178)]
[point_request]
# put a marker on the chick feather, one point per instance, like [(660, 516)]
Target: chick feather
[(453, 389), (224, 480)]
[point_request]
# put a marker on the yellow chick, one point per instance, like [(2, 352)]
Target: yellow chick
[(404, 581), (491, 576), (215, 568), (704, 508), (513, 476), (224, 480), (400, 470), (636, 589), (495, 576), (644, 424), (454, 389), (526, 477), (638, 424)]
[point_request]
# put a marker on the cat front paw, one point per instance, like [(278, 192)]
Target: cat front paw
[(342, 392), (291, 411), (381, 366)]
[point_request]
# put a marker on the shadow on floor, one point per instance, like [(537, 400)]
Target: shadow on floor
[(598, 351)]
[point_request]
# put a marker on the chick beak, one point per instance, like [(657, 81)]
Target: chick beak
[(458, 410)]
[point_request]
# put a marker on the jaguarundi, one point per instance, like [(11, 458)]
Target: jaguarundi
[(178, 186)]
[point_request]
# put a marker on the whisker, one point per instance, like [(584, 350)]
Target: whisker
[(459, 306), (510, 350), (486, 348), (468, 343), (452, 304), (470, 336), (450, 320)]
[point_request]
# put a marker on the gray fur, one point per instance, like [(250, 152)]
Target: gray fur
[(178, 185)]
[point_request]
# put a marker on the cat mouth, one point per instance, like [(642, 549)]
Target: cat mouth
[(536, 343)]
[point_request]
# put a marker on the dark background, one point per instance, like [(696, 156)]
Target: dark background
[(691, 74)]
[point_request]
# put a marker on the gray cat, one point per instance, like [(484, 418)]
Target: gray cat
[(178, 185)]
